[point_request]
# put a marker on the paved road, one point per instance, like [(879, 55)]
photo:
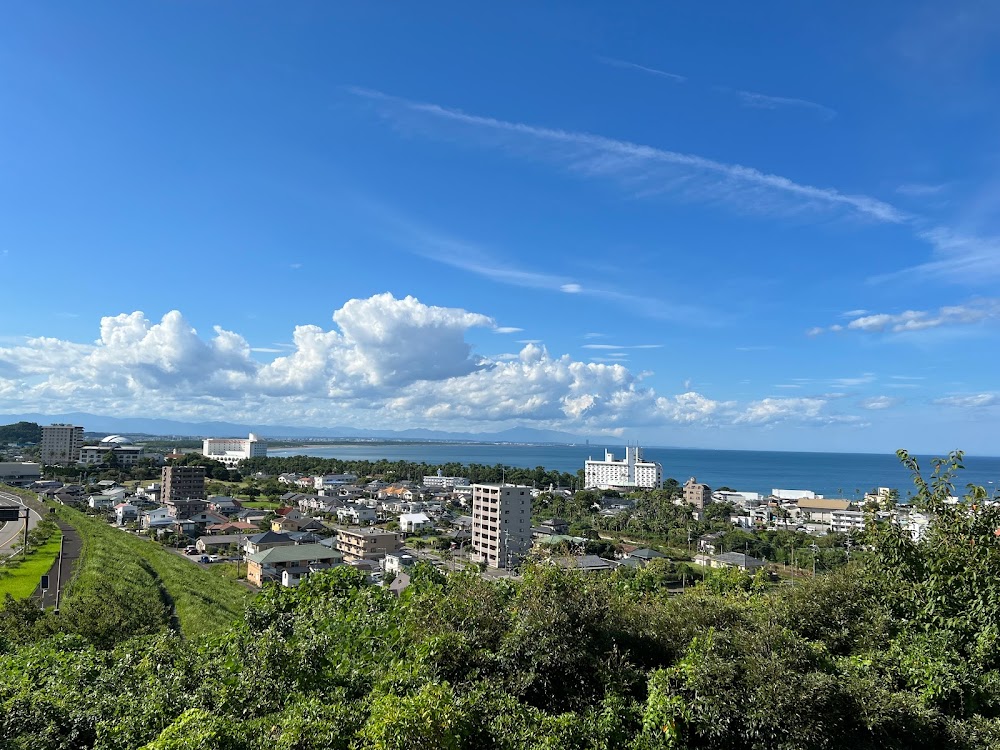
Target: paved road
[(61, 571), (11, 534)]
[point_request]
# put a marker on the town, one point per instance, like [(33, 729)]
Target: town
[(384, 526)]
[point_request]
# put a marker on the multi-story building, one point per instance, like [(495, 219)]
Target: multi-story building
[(61, 443), (437, 480), (125, 454), (628, 473), (696, 494), (182, 483), (501, 524), (231, 451), (367, 544)]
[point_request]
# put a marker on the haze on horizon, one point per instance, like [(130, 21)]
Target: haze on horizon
[(735, 227)]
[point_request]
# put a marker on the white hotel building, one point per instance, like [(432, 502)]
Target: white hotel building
[(628, 473), (231, 451)]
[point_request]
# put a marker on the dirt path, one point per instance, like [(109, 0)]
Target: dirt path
[(61, 572)]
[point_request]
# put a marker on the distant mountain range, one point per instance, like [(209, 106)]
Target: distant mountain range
[(173, 428)]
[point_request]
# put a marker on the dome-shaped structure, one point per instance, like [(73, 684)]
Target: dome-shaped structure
[(116, 440)]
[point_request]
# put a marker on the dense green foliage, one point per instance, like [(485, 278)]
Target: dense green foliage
[(401, 470), (20, 433), (899, 650)]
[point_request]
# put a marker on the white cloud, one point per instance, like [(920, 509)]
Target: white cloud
[(975, 311), (622, 346), (876, 403), (385, 362), (507, 329), (958, 257), (571, 288), (641, 168), (970, 401), (920, 190), (635, 66), (765, 101)]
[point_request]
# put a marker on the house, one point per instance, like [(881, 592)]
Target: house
[(399, 583), (367, 543), (644, 555), (99, 502), (411, 523), (731, 560), (156, 519), (296, 559), (398, 561), (820, 510), (232, 527), (357, 515), (225, 506), (267, 540), (584, 564), (220, 542), (556, 526), (125, 513)]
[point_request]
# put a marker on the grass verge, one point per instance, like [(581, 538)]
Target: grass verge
[(20, 578), (260, 504), (201, 603)]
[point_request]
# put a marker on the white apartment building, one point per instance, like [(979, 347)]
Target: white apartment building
[(61, 444), (628, 473), (443, 482), (125, 454), (501, 524), (231, 451)]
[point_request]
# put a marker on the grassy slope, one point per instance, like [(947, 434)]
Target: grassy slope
[(24, 576), (204, 603)]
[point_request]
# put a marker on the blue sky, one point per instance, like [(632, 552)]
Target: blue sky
[(736, 226)]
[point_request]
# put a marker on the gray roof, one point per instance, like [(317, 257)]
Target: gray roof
[(269, 537), (222, 540), (740, 559), (646, 554), (295, 553), (584, 562)]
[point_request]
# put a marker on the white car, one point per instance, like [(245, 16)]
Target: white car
[(214, 558)]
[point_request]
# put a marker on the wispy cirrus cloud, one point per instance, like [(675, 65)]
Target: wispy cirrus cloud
[(617, 347), (878, 403), (639, 167), (908, 321), (958, 257), (767, 101), (921, 189), (635, 66)]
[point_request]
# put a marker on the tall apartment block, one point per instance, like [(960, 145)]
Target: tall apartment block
[(182, 483), (501, 524), (696, 494), (61, 444), (628, 473)]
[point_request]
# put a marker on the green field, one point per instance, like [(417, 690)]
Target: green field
[(19, 579), (261, 504), (151, 579)]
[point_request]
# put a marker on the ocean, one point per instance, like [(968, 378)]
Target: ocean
[(847, 475)]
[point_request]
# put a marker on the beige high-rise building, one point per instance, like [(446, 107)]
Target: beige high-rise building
[(501, 524), (61, 444), (696, 494), (180, 483)]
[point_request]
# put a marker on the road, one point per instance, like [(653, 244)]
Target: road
[(11, 534), (62, 569)]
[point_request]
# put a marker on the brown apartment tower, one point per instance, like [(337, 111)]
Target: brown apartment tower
[(182, 483)]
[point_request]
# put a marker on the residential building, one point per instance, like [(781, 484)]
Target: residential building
[(333, 480), (501, 524), (367, 544), (121, 451), (821, 510), (182, 483), (696, 494), (266, 540), (358, 515), (410, 523), (296, 559), (61, 444), (230, 451), (583, 564), (188, 510), (399, 561), (125, 512), (793, 495), (19, 474), (444, 482), (731, 560), (630, 472)]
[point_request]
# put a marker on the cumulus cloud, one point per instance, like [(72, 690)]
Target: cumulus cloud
[(384, 362)]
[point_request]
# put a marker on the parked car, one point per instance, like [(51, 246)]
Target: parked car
[(214, 558), (203, 559), (190, 550)]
